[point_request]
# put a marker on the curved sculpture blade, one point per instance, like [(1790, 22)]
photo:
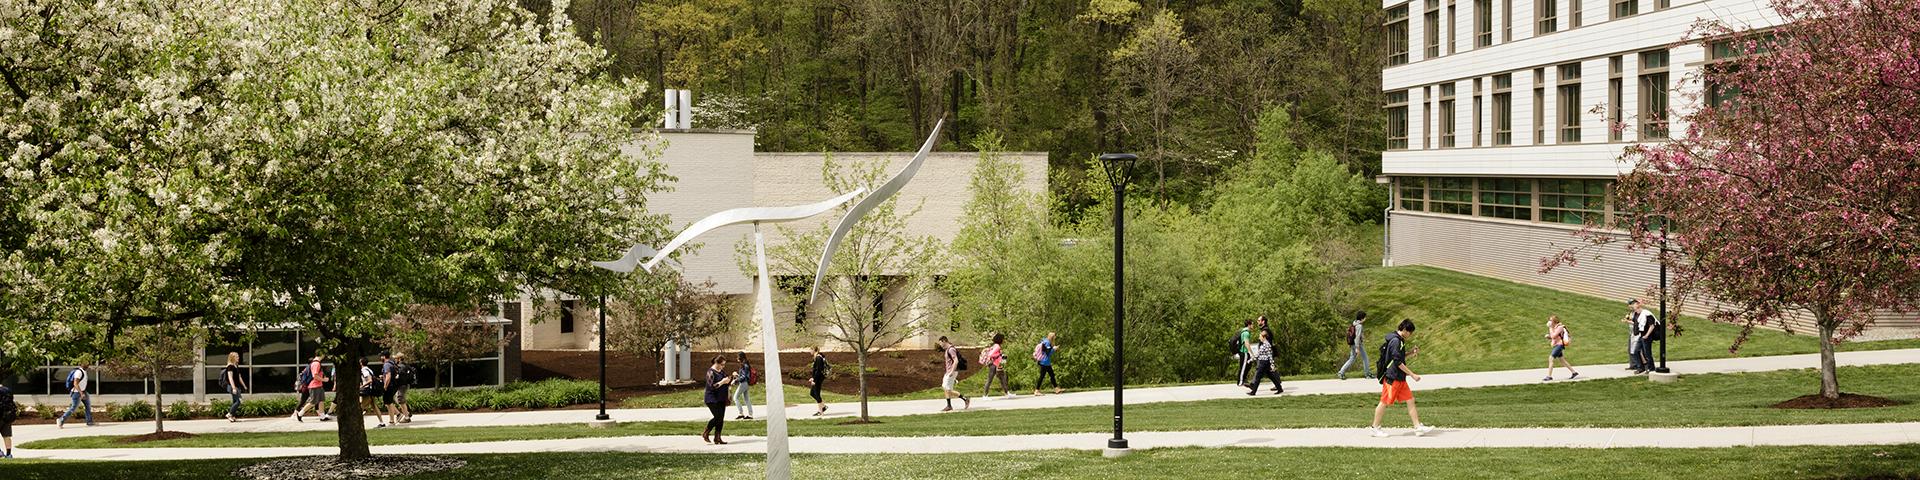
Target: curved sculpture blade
[(880, 195), (747, 215), (631, 259)]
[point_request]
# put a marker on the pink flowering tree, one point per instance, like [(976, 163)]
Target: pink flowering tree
[(1795, 188)]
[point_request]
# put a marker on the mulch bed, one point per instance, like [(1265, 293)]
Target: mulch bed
[(330, 468), (154, 437), (1846, 400), (628, 375)]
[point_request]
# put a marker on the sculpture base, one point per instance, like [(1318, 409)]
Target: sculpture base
[(1668, 377), (607, 423), (1115, 452)]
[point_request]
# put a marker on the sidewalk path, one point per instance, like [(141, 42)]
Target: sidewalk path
[(1791, 435), (28, 433)]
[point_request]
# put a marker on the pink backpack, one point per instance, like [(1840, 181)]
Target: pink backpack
[(1039, 352)]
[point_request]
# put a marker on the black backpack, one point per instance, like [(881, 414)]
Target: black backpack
[(403, 375), (1233, 344), (959, 361), (1659, 329), (8, 411), (1384, 360)]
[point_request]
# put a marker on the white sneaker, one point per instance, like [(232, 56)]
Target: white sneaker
[(1377, 432), (1422, 429)]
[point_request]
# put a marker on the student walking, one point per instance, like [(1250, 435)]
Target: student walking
[(743, 400), (1633, 335), (1355, 349), (1246, 354), (403, 377), (1394, 375), (313, 391), (1043, 353), (232, 380), (1558, 339), (370, 392), (1647, 329), (8, 413), (995, 359), (818, 379), (954, 364), (716, 399), (390, 387), (76, 384), (1263, 356)]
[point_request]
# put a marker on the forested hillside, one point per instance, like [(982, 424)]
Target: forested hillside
[(1183, 83)]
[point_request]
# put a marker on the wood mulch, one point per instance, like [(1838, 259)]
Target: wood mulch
[(154, 437), (1846, 400)]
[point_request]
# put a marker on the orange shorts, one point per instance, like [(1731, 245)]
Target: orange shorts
[(1395, 392)]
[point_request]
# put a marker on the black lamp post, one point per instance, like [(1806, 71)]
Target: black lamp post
[(603, 360), (1663, 300), (1119, 167)]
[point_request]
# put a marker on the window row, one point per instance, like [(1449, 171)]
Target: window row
[(1547, 200), (1654, 88), (1440, 26)]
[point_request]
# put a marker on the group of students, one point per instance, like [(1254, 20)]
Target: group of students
[(1255, 348), (725, 388), (382, 392), (994, 359)]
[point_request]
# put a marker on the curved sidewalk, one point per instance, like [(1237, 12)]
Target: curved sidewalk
[(1789, 435), (1135, 396)]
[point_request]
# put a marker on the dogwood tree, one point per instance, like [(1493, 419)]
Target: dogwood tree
[(322, 163), (1795, 189)]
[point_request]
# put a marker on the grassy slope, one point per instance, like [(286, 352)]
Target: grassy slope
[(1902, 461), (1471, 323), (1696, 400)]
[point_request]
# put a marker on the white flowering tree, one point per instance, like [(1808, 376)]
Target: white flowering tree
[(324, 163)]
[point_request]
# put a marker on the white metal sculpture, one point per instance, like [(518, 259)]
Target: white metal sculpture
[(779, 464), (880, 195)]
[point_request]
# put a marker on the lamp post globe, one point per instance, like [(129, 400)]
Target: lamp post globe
[(1119, 169)]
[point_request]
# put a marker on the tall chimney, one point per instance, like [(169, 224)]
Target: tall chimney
[(672, 110), (686, 109)]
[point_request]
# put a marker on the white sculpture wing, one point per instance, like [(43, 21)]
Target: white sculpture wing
[(881, 194), (626, 263), (744, 215)]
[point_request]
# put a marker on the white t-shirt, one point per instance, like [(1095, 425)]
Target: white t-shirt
[(79, 377), (1646, 321), (366, 375)]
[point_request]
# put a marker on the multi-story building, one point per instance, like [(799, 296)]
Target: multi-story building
[(1507, 120)]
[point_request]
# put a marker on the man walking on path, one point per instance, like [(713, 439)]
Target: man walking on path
[(1647, 327), (314, 391), (1043, 353), (952, 376), (8, 413), (77, 391), (1558, 339), (403, 377), (1633, 335), (389, 388), (1263, 356), (1394, 377), (1355, 347), (1246, 354)]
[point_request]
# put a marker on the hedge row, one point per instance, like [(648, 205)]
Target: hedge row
[(529, 395)]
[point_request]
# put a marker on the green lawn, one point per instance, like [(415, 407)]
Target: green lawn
[(1696, 400), (1899, 461), (1472, 323)]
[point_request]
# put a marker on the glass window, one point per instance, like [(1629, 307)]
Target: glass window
[(1397, 120), (1447, 120), (1397, 41), (1625, 8), (473, 373), (1413, 193), (1569, 105), (1614, 102), (1573, 13), (1482, 23), (274, 347), (1506, 198), (1573, 202), (1653, 95), (1506, 20), (219, 344), (1503, 109), (566, 315), (1546, 17), (1539, 106), (1450, 195), (1453, 32)]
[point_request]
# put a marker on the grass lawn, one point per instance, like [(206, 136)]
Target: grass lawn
[(1471, 323), (1696, 400), (1901, 461)]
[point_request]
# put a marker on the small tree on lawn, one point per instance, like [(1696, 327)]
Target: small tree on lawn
[(1795, 188), (439, 335), (153, 352), (663, 307), (879, 262)]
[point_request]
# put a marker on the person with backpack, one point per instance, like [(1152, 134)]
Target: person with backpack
[(312, 386), (1647, 329), (1558, 339), (9, 412), (995, 359), (76, 384), (403, 378), (370, 391), (954, 365), (1633, 335), (742, 399), (1043, 354), (389, 388), (1239, 344), (1355, 349), (817, 380), (234, 382), (1263, 355), (1394, 374)]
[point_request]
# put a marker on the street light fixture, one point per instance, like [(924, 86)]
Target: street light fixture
[(1663, 299), (1119, 168)]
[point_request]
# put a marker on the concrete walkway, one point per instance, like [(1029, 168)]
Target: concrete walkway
[(1792, 435), (27, 433)]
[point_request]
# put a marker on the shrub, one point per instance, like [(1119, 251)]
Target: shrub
[(134, 412), (182, 410), (45, 411)]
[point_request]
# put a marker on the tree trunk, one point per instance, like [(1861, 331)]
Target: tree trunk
[(353, 422), (1829, 382), (159, 417), (862, 352)]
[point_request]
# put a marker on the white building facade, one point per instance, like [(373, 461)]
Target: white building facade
[(1507, 120)]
